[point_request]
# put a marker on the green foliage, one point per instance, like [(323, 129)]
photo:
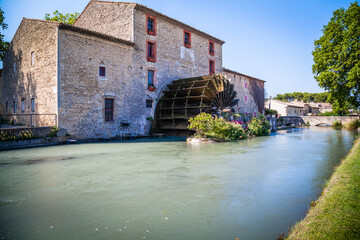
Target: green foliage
[(53, 131), (3, 45), (332, 113), (307, 124), (68, 18), (270, 111), (259, 126), (306, 97), (150, 118), (353, 125), (219, 129), (337, 125), (336, 58), (23, 135)]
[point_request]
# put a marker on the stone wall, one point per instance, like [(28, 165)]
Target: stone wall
[(111, 18), (26, 81), (83, 93), (173, 60), (250, 92)]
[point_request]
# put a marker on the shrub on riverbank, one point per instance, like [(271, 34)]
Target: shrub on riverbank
[(218, 129), (258, 126), (337, 212), (23, 135), (337, 125), (353, 125)]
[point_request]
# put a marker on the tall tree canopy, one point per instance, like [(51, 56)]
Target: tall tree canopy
[(306, 97), (3, 45), (337, 58), (68, 18)]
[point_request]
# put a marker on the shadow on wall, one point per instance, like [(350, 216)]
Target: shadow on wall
[(257, 91)]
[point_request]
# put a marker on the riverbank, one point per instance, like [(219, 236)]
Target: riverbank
[(336, 214)]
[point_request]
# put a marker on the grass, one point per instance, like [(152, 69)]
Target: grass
[(336, 214), (353, 125)]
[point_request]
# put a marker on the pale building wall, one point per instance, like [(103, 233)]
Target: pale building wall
[(37, 81), (250, 88), (279, 107)]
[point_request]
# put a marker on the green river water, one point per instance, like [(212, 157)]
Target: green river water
[(166, 188)]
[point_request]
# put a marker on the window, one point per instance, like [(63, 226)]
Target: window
[(32, 58), (102, 71), (149, 103), (7, 107), (33, 105), (245, 98), (211, 48), (14, 106), (23, 105), (187, 39), (245, 85), (14, 67), (109, 110), (151, 25), (211, 67), (151, 51), (150, 78)]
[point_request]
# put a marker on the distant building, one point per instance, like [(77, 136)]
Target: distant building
[(109, 69), (285, 108)]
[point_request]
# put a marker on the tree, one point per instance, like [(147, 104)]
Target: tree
[(337, 58), (68, 18), (3, 45)]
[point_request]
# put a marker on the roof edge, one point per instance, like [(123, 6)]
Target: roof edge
[(95, 34), (234, 72)]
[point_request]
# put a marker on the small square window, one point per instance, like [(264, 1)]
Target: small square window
[(149, 103), (151, 26), (211, 67), (109, 110), (102, 71), (211, 48), (187, 39)]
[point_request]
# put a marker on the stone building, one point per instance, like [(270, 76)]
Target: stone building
[(102, 76), (285, 108)]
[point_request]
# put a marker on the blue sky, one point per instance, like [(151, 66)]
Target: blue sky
[(268, 39)]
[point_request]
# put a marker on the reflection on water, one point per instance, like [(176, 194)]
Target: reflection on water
[(251, 189)]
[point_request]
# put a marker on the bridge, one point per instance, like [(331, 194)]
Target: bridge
[(317, 120)]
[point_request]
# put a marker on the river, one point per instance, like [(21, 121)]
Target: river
[(166, 188)]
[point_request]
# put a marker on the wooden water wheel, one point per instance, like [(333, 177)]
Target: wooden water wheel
[(186, 98)]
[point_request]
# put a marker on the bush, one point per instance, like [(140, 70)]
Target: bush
[(307, 124), (217, 129), (270, 112), (53, 131), (353, 125), (23, 135), (258, 126), (337, 125)]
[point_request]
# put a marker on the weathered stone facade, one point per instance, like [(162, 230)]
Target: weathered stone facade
[(250, 92), (65, 79), (30, 71)]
